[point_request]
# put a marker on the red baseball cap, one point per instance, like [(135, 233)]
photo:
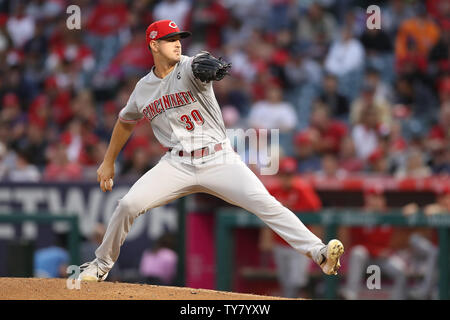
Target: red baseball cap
[(288, 165), (302, 138), (163, 29), (375, 189)]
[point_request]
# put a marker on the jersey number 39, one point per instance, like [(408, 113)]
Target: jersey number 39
[(195, 114)]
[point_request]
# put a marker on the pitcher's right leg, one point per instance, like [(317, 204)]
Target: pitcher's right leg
[(161, 184), (235, 183)]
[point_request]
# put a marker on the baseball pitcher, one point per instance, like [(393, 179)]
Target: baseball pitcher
[(177, 98)]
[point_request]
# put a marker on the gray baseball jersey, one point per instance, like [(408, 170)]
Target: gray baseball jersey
[(182, 110), (185, 114)]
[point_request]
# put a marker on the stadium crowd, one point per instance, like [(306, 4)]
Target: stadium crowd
[(347, 100)]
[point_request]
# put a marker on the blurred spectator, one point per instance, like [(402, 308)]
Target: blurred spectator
[(368, 100), (231, 117), (45, 11), (279, 15), (376, 42), (439, 135), (440, 161), (206, 20), (308, 160), (233, 92), (337, 103), (4, 36), (415, 38), (444, 90), (372, 245), (254, 12), (383, 90), (137, 165), (34, 72), (442, 204), (329, 167), (415, 166), (106, 124), (273, 112), (159, 265), (394, 145), (175, 10), (80, 140), (59, 168), (34, 145), (345, 59), (107, 20), (347, 159), (23, 171), (53, 97), (52, 262), (440, 11), (365, 133), (72, 58), (300, 71), (297, 195), (423, 245), (3, 166), (83, 108), (236, 33), (132, 59), (394, 14), (39, 112), (12, 115), (345, 56), (415, 100), (438, 61), (327, 133), (20, 26), (317, 29), (141, 14), (378, 163)]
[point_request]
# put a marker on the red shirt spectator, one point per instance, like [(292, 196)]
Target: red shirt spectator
[(39, 112), (79, 55), (327, 133), (88, 141), (60, 168), (208, 17), (440, 10), (56, 100), (108, 18), (135, 54), (376, 239), (293, 192)]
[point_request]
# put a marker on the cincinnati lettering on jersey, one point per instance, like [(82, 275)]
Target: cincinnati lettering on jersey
[(169, 101)]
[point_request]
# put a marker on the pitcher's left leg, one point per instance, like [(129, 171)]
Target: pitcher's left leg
[(235, 183)]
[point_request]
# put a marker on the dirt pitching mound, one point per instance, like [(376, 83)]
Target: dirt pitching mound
[(56, 289)]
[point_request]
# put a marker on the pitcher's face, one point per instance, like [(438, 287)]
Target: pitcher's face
[(169, 48)]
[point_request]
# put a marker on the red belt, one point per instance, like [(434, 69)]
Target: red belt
[(199, 153)]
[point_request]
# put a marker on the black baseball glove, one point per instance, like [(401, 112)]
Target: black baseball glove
[(206, 67)]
